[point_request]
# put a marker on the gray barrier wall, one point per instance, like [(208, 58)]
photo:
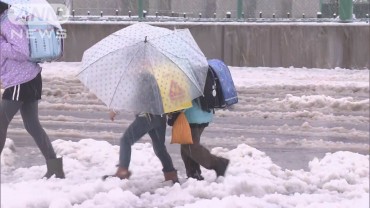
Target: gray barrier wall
[(311, 45)]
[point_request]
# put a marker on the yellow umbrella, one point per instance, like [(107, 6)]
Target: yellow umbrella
[(174, 87)]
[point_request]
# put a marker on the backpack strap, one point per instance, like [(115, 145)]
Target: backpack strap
[(207, 101)]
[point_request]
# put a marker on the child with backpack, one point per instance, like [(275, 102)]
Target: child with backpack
[(22, 82), (196, 155), (219, 92)]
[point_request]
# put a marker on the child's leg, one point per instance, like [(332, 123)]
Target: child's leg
[(7, 111), (29, 112)]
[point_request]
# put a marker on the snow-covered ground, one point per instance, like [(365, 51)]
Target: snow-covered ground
[(297, 138)]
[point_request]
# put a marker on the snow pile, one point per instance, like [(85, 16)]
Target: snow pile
[(252, 180)]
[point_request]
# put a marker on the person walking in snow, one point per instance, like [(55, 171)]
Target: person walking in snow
[(22, 82), (196, 155), (155, 126), (145, 123)]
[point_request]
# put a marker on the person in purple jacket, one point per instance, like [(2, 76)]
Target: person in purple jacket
[(22, 82)]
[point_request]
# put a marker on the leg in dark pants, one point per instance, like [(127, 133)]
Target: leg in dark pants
[(192, 167), (158, 136), (195, 155), (29, 112), (155, 125), (137, 129), (7, 111)]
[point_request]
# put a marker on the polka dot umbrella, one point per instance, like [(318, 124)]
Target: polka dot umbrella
[(143, 68)]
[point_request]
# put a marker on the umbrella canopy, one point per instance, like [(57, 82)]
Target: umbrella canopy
[(38, 8), (143, 68)]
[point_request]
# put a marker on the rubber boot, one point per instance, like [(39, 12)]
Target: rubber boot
[(196, 175), (54, 167), (121, 173), (221, 167), (172, 175)]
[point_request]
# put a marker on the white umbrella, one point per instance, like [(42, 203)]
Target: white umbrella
[(40, 9), (143, 68)]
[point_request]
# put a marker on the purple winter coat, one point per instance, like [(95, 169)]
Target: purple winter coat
[(14, 53)]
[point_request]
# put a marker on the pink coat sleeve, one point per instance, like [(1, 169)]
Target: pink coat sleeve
[(13, 41)]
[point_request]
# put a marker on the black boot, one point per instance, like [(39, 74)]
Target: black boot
[(221, 166), (54, 167), (196, 175)]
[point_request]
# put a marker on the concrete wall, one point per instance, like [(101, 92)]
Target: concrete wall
[(254, 44)]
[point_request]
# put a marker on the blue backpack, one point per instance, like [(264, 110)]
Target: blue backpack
[(46, 44), (219, 90)]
